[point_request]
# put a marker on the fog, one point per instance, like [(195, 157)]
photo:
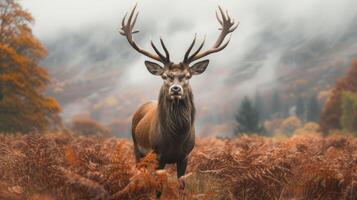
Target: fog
[(86, 50)]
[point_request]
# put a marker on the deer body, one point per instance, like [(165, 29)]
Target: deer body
[(167, 127)]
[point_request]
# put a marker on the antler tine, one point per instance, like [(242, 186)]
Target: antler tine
[(199, 49), (219, 20), (122, 32), (132, 14), (165, 49), (127, 31), (227, 26), (235, 27), (228, 18), (136, 17), (123, 21), (222, 13), (157, 51), (189, 49)]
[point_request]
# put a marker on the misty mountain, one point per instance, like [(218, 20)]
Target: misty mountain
[(296, 51), (90, 83)]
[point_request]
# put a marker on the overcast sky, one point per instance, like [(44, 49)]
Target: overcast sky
[(177, 21), (268, 29)]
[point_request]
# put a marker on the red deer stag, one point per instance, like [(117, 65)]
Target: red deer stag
[(167, 127)]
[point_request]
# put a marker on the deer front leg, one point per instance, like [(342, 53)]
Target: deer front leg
[(161, 165), (137, 153), (181, 170)]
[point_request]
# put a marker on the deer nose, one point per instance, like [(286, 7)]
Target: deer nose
[(176, 89)]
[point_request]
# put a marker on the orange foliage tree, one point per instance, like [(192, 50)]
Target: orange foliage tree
[(332, 111), (23, 106), (88, 127)]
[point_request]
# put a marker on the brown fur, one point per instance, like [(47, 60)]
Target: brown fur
[(166, 127)]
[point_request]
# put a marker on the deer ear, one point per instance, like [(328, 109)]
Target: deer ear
[(199, 68), (154, 68)]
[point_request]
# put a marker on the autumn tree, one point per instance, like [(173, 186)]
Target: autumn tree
[(290, 124), (332, 111), (89, 127), (349, 112), (23, 105)]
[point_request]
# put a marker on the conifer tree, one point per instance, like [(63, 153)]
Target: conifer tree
[(247, 119), (276, 107), (313, 110), (259, 106), (300, 108)]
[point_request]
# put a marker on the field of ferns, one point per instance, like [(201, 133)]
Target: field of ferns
[(63, 166)]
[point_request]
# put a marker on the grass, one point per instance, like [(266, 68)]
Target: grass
[(63, 166)]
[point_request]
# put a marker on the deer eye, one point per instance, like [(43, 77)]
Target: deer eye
[(181, 77), (164, 76), (170, 77)]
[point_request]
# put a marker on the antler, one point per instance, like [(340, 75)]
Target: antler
[(227, 27), (127, 31)]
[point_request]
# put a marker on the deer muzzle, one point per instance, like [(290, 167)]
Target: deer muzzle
[(176, 91)]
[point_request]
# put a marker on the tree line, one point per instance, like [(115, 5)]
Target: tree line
[(252, 114)]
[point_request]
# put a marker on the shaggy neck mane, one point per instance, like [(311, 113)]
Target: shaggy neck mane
[(176, 117)]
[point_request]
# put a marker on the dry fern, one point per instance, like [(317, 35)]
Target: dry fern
[(61, 166)]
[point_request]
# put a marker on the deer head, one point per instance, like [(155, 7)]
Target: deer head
[(176, 75)]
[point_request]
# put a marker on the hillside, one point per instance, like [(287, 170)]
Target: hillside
[(90, 78)]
